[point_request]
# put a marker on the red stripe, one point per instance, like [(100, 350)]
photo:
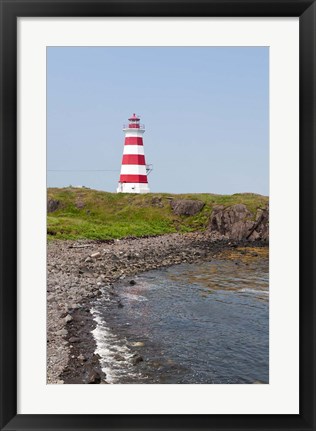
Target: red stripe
[(134, 140), (133, 179), (133, 159)]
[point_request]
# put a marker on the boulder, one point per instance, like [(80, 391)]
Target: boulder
[(74, 340), (157, 202), (80, 205), (94, 255), (62, 332), (238, 223), (136, 359), (52, 205), (82, 358), (186, 207), (68, 318), (94, 377)]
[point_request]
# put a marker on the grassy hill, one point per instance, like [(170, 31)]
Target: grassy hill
[(85, 213)]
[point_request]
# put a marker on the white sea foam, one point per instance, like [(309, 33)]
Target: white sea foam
[(257, 291), (116, 357), (133, 297)]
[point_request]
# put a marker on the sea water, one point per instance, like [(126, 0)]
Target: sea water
[(189, 323)]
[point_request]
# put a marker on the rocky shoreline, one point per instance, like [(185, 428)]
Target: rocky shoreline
[(80, 271)]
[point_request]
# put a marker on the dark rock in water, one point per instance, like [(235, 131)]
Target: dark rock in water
[(52, 205), (238, 223), (94, 378), (136, 359), (120, 305), (132, 282), (187, 207), (74, 340), (118, 357)]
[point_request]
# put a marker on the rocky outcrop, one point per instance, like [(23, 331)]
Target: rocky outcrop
[(79, 204), (238, 223), (52, 205), (157, 202), (186, 207)]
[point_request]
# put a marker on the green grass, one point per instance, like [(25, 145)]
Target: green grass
[(117, 215)]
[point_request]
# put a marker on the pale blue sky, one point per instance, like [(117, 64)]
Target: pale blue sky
[(205, 110)]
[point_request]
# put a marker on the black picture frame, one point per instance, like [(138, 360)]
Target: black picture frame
[(10, 11)]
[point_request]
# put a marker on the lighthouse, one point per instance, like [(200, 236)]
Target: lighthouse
[(133, 177)]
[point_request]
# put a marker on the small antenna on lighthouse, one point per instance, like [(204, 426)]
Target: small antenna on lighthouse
[(149, 169)]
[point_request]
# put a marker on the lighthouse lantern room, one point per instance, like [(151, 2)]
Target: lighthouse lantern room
[(133, 177)]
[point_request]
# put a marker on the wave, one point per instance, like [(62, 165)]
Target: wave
[(116, 357), (256, 291)]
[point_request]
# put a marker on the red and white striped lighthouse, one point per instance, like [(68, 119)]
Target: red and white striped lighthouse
[(133, 178)]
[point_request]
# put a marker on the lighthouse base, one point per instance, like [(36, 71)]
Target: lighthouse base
[(133, 188)]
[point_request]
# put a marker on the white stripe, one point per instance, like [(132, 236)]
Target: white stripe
[(133, 188), (133, 170), (133, 149), (136, 134)]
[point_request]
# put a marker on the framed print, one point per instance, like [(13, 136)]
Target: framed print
[(159, 278)]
